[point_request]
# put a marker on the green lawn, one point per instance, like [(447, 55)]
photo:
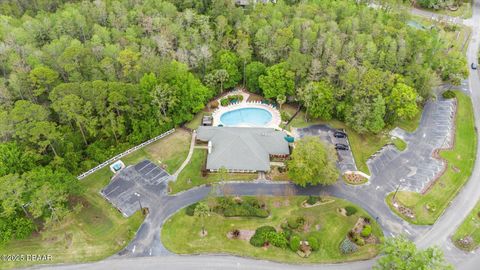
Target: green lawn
[(460, 164), (470, 227), (409, 125), (197, 120), (180, 233), (97, 231), (400, 144), (191, 176)]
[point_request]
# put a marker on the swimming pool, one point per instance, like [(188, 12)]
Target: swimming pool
[(246, 117)]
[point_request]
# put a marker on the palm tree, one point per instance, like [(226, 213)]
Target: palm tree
[(202, 211)]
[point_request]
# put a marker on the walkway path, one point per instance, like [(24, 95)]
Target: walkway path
[(189, 156)]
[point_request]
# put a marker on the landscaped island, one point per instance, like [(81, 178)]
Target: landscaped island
[(284, 229)]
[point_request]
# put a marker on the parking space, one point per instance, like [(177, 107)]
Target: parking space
[(346, 162), (417, 167), (136, 186)]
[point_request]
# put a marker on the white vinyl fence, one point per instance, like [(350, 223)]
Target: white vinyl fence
[(119, 156)]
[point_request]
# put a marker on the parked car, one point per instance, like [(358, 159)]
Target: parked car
[(341, 146), (340, 134), (473, 65)]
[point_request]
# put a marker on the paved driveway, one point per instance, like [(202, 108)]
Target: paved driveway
[(346, 162)]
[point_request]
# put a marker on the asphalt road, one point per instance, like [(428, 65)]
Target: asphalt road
[(147, 242)]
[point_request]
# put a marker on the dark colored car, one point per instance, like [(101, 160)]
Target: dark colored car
[(473, 65), (340, 134), (341, 146)]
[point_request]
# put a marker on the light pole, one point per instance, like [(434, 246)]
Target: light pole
[(138, 199), (396, 190)]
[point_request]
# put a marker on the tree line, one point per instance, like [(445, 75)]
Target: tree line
[(81, 81)]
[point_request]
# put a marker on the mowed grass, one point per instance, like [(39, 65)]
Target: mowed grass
[(168, 152), (98, 230), (191, 175), (469, 227), (460, 164), (180, 233), (196, 121)]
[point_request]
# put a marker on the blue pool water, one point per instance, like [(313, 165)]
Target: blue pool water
[(246, 117)]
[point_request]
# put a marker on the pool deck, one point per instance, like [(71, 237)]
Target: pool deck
[(274, 123)]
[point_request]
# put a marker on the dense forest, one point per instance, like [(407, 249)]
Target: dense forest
[(84, 80)]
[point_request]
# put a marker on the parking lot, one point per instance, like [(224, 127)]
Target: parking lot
[(416, 167), (135, 186), (346, 162)]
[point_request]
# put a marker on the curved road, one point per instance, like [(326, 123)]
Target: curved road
[(146, 246)]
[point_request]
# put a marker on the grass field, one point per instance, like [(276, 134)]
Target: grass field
[(180, 233), (470, 227), (460, 158), (98, 230), (191, 175)]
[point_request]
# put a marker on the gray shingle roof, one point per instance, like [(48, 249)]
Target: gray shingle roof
[(242, 148)]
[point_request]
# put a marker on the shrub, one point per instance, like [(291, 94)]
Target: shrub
[(190, 210), (351, 210), (448, 94), (359, 241), (249, 207), (288, 233), (293, 222), (276, 239), (260, 236), (347, 246), (285, 116), (214, 104), (367, 230), (294, 243), (236, 233), (224, 101), (312, 200), (257, 240), (313, 242)]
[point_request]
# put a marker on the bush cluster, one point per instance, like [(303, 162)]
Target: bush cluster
[(448, 94), (295, 222), (248, 207), (268, 234), (214, 104), (224, 101), (347, 246), (313, 200), (351, 210), (285, 116), (367, 230), (235, 98), (313, 242), (295, 243), (190, 210)]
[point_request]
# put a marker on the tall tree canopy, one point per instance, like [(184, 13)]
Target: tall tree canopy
[(402, 254), (312, 163)]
